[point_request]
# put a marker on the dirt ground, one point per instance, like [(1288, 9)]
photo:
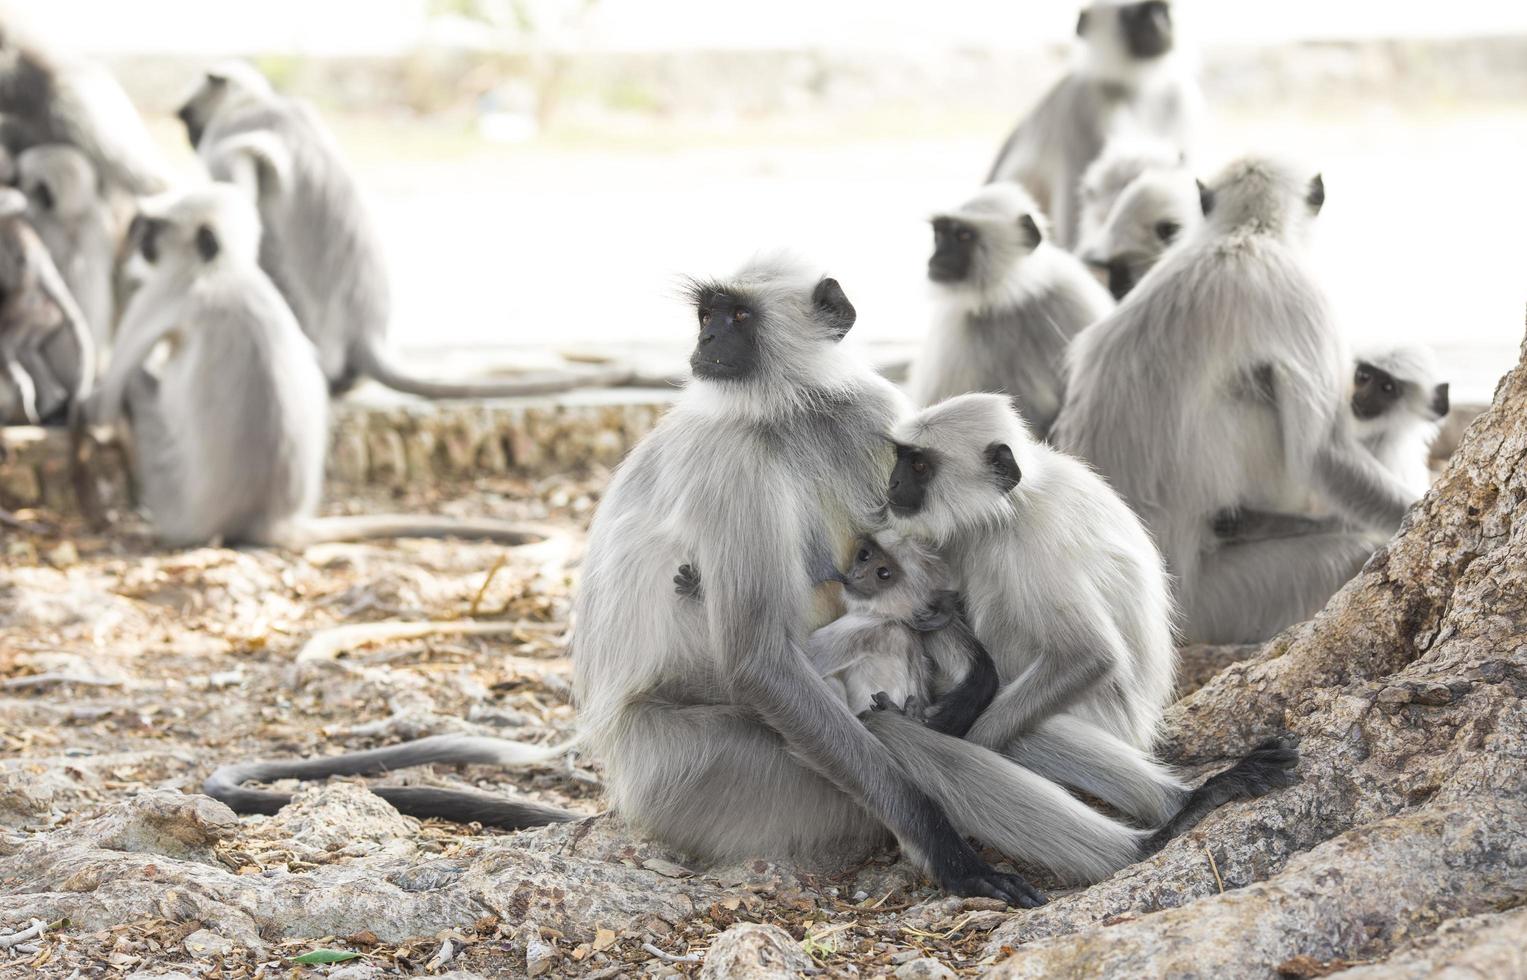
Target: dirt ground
[(126, 669)]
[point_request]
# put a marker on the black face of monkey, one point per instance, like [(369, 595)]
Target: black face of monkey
[(954, 246), (1147, 28), (728, 344), (1121, 277), (910, 479), (872, 571), (1374, 391)]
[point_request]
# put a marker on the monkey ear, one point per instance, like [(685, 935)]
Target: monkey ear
[(1439, 400), (1205, 198), (1081, 24), (1000, 458), (216, 78), (1030, 228), (833, 303), (1316, 196), (45, 196), (207, 245)]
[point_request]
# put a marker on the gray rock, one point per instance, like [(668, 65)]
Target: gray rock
[(750, 951), (923, 968), (163, 822)]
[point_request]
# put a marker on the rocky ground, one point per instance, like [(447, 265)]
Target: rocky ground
[(127, 673)]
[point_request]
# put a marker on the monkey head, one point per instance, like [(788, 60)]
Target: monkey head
[(195, 227), (957, 465), (1390, 385), (977, 244), (1263, 195), (893, 576), (771, 329), (1152, 213), (1126, 31), (57, 179), (220, 86)]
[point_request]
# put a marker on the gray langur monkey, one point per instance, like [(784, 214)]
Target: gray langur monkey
[(1153, 212), (902, 640), (1129, 78), (46, 351), (64, 205), (1009, 303), (1123, 159), (66, 100), (230, 435), (319, 246), (1064, 586), (1219, 383), (1399, 402)]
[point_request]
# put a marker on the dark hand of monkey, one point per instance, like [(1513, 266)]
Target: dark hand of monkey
[(687, 582)]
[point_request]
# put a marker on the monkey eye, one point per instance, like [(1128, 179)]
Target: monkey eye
[(919, 466), (864, 554), (1388, 387), (704, 317), (964, 235), (740, 314), (882, 573), (1363, 377), (1167, 230)]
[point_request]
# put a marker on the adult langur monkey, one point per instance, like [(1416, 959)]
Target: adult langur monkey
[(1065, 588), (65, 206), (319, 245), (1220, 383), (230, 435), (61, 100), (1154, 211), (1008, 303), (1129, 79), (1123, 159)]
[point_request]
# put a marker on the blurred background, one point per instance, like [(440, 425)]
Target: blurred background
[(545, 171)]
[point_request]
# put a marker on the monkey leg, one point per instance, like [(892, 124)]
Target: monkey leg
[(716, 784), (1077, 753), (26, 392), (1247, 592), (50, 397), (1265, 768)]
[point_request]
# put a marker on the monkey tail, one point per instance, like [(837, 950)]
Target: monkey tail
[(463, 806), (369, 527), (375, 364)]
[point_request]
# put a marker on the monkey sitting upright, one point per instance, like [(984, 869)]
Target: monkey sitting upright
[(903, 641), (1398, 405)]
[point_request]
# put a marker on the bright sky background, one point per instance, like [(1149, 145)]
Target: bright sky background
[(387, 26)]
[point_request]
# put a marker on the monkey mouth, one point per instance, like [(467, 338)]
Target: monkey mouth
[(714, 368)]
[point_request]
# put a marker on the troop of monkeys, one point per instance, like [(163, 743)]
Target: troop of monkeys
[(1079, 481)]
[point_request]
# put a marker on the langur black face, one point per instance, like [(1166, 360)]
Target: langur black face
[(1147, 28), (1439, 403), (910, 479), (1374, 391), (728, 344), (872, 572), (954, 246), (1121, 277)]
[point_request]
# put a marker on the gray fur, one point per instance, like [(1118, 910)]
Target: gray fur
[(47, 356), (1129, 234), (1401, 438), (1123, 159), (1107, 93), (1066, 590), (1218, 384), (231, 431), (1006, 327), (65, 206), (320, 247)]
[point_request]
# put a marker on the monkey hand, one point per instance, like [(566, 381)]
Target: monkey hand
[(881, 701), (1227, 524), (687, 582), (981, 880)]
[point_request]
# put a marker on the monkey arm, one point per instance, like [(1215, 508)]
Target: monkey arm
[(149, 320), (955, 712), (1244, 524), (53, 286), (1077, 656), (1360, 487), (754, 599)]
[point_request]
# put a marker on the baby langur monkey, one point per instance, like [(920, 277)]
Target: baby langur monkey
[(1398, 404), (230, 436), (902, 642), (1124, 158), (1009, 304), (1154, 211), (46, 352)]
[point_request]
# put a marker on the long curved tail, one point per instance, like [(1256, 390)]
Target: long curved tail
[(368, 527), (464, 806), (374, 363), (1002, 804)]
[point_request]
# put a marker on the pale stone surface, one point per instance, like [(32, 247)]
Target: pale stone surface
[(752, 951)]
